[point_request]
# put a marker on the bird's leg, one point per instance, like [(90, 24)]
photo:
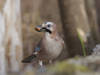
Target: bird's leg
[(42, 67), (41, 63)]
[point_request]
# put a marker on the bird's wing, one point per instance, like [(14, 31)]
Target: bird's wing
[(34, 54), (60, 34), (38, 47), (64, 53)]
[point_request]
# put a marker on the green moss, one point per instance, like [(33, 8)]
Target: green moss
[(63, 66), (76, 57), (81, 68), (68, 68)]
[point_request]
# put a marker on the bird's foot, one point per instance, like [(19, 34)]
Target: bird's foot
[(42, 69)]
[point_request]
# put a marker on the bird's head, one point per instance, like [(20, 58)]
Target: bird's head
[(48, 27)]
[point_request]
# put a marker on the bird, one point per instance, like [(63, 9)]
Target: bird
[(49, 47)]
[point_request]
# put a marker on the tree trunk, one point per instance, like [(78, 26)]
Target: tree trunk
[(50, 12), (10, 37), (2, 47), (92, 17), (73, 17)]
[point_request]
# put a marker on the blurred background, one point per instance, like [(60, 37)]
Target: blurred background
[(77, 20)]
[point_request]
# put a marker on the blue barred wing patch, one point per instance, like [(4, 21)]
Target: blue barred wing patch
[(37, 49)]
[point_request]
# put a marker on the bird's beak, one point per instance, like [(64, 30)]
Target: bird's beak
[(38, 28)]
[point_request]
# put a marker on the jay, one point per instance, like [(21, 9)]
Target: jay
[(49, 47)]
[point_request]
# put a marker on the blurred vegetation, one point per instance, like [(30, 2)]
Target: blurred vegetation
[(82, 43)]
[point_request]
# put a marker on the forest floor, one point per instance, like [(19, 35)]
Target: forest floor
[(89, 65)]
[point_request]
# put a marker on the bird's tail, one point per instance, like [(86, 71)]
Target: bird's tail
[(28, 59)]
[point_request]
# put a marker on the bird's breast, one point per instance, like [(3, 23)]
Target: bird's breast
[(53, 47)]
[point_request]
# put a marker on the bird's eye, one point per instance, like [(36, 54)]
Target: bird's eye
[(48, 25)]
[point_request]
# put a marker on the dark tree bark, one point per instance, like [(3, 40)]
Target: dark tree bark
[(97, 4), (92, 17), (73, 16)]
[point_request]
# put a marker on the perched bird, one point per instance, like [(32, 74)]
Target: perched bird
[(49, 47)]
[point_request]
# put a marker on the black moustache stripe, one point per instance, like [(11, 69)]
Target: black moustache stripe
[(47, 30)]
